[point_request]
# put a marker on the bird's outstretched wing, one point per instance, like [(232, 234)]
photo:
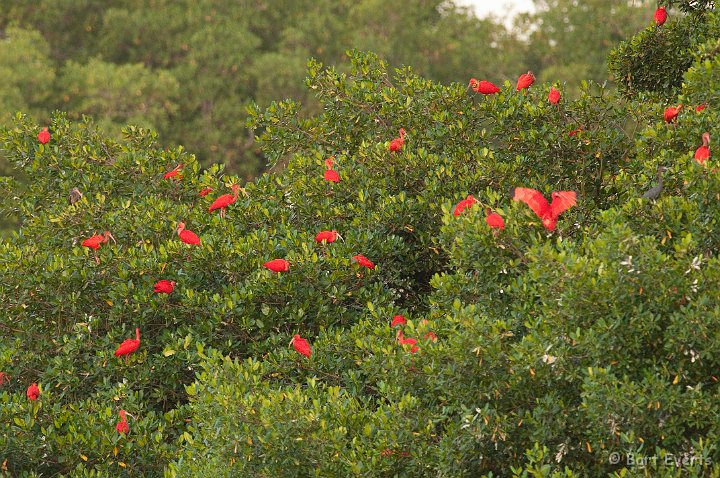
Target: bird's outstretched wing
[(534, 199), (562, 201)]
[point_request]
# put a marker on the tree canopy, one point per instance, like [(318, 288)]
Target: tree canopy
[(455, 323)]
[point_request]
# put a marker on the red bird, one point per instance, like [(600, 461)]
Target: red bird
[(301, 345), (44, 136), (33, 392), (188, 237), (278, 265), (525, 81), (94, 242), (700, 108), (122, 426), (326, 236), (164, 286), (671, 113), (660, 16), (464, 204), (702, 154), (398, 320), (548, 213), (484, 87), (554, 96), (407, 341), (3, 378), (332, 176), (225, 200), (363, 261), (487, 88), (205, 192), (129, 345), (398, 143), (175, 173), (495, 221)]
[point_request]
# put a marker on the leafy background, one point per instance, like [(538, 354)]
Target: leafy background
[(553, 350)]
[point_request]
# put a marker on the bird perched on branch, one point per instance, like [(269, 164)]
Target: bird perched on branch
[(655, 191), (75, 196)]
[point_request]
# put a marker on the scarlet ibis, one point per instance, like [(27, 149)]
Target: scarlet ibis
[(363, 261), (75, 196), (398, 320), (332, 176), (33, 392), (495, 221), (129, 345), (554, 96), (175, 173), (654, 192), (278, 265), (188, 237), (703, 152), (205, 192), (407, 341), (464, 204), (301, 345), (326, 236), (44, 136), (122, 426), (329, 162), (671, 113), (548, 213), (484, 87), (525, 81), (3, 378), (164, 286), (660, 16), (225, 200), (94, 242), (397, 143)]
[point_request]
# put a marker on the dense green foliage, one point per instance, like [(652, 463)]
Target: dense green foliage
[(188, 69), (553, 352)]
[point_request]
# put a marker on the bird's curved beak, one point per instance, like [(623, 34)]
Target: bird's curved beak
[(111, 237)]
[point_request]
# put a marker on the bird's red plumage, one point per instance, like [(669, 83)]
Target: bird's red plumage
[(94, 242), (487, 88), (129, 345), (660, 16), (327, 236), (534, 199), (548, 213), (122, 426), (222, 202), (301, 346), (33, 392), (189, 237), (278, 265), (164, 286), (398, 320), (525, 81), (464, 204), (495, 221), (363, 261), (671, 113), (332, 176)]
